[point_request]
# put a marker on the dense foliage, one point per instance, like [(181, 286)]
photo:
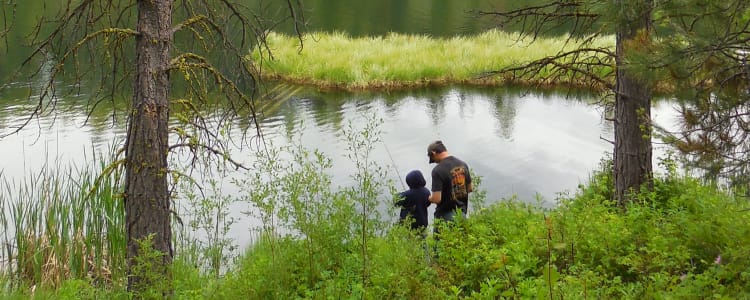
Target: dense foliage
[(706, 57), (682, 240)]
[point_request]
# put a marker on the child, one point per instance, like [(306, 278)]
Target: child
[(414, 201)]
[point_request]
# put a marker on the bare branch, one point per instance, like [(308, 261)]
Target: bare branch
[(48, 91), (535, 20), (223, 154), (9, 13), (582, 64)]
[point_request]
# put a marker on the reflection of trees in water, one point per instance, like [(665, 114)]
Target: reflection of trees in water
[(322, 108), (507, 99), (283, 106), (72, 106), (505, 113), (380, 17), (502, 108), (329, 108), (440, 18), (36, 100)]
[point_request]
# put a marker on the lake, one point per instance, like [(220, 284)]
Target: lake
[(523, 144)]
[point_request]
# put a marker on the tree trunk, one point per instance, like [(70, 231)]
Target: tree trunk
[(147, 204), (632, 153)]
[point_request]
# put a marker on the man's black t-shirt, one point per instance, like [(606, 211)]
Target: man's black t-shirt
[(452, 179)]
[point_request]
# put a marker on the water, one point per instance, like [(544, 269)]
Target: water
[(523, 144), (526, 145), (358, 18)]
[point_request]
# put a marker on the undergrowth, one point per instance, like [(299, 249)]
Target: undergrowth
[(684, 239)]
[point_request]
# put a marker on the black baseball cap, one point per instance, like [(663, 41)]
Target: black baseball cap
[(437, 147)]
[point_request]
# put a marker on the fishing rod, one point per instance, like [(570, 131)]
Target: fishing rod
[(393, 163)]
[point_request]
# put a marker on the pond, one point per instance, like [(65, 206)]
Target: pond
[(531, 145), (526, 145)]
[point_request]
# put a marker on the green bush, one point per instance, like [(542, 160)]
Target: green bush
[(684, 238)]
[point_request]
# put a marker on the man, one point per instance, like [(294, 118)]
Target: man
[(451, 182)]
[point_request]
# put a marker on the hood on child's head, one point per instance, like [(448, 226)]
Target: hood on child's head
[(415, 179)]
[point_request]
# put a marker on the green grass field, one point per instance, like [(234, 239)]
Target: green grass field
[(336, 60)]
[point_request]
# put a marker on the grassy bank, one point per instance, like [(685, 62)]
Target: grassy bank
[(338, 61)]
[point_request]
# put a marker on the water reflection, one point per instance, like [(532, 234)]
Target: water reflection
[(522, 143), (439, 18)]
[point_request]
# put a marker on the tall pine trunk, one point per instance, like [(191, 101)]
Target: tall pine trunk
[(633, 151), (147, 204)]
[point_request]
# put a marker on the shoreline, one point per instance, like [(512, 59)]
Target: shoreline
[(376, 86)]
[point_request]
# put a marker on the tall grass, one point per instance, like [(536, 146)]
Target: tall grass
[(401, 60), (63, 223)]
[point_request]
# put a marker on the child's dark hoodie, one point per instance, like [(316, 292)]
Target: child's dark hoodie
[(415, 201)]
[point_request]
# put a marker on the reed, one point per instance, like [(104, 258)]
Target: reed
[(336, 60), (63, 223)]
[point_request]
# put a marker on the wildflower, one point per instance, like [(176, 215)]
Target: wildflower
[(718, 259)]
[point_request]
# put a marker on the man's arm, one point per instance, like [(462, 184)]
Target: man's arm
[(435, 197), (437, 186)]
